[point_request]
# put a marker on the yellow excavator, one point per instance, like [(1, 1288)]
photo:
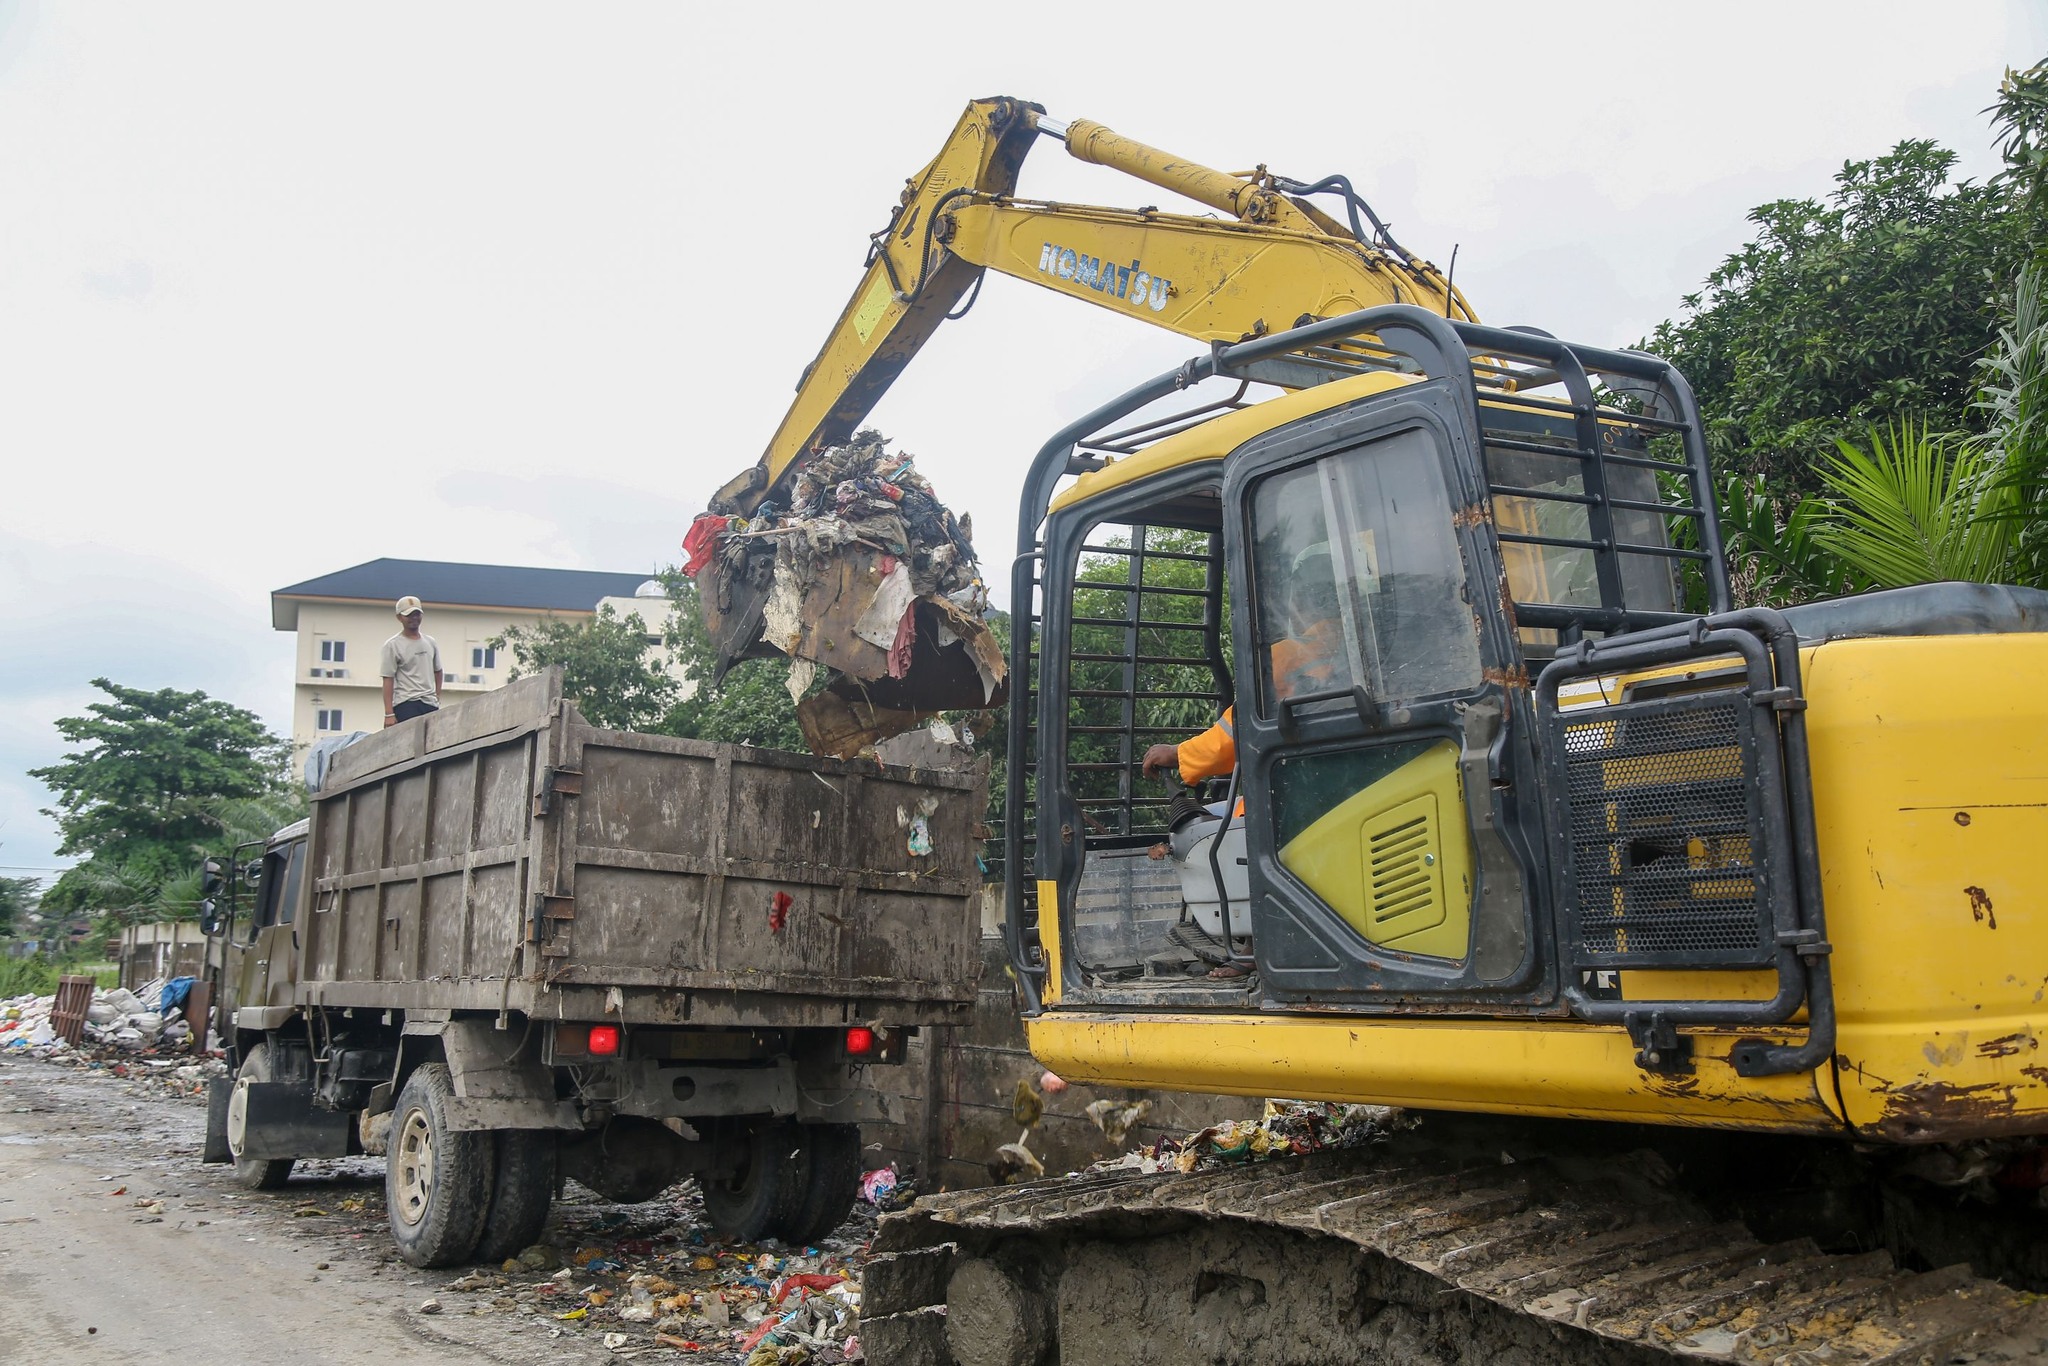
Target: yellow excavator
[(1702, 950)]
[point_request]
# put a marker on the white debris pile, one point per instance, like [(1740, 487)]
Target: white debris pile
[(116, 1018)]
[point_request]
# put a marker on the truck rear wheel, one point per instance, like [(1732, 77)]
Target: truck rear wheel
[(258, 1174), (831, 1161), (762, 1196), (437, 1182), (520, 1195)]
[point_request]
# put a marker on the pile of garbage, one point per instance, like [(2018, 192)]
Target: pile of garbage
[(116, 1019), (652, 1280), (1286, 1128), (864, 580)]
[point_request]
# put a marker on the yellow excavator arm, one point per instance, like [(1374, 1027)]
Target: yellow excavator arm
[(1275, 261)]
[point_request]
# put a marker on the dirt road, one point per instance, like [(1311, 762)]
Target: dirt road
[(118, 1244)]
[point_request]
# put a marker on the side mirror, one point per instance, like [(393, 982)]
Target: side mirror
[(210, 882), (210, 922), (252, 872)]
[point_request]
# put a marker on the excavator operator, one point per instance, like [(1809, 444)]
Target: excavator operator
[(1305, 661)]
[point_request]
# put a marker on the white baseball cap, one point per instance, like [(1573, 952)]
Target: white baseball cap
[(407, 605)]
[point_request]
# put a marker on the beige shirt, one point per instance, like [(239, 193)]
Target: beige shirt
[(411, 666)]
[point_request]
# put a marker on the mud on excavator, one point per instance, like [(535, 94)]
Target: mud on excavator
[(1709, 941)]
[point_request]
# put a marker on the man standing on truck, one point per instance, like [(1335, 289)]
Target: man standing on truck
[(411, 668)]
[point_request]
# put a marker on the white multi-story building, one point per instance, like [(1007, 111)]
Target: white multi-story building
[(343, 619)]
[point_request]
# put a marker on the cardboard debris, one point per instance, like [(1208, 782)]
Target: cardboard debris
[(865, 579)]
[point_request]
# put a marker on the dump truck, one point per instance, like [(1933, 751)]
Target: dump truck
[(508, 947)]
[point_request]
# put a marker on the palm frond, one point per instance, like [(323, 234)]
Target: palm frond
[(1915, 508)]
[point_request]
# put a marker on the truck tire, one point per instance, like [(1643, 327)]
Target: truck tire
[(520, 1195), (258, 1174), (831, 1161), (437, 1183), (762, 1197)]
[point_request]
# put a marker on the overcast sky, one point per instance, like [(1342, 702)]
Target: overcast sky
[(284, 288)]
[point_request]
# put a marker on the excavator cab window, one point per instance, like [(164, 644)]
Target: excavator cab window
[(1359, 581)]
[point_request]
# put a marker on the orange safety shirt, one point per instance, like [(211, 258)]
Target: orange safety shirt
[(1211, 754)]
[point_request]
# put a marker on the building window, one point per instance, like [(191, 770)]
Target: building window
[(327, 720), (334, 651), (483, 657)]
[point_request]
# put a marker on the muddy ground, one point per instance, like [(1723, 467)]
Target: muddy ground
[(117, 1243)]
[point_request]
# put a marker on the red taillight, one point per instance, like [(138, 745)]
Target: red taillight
[(860, 1040), (604, 1041)]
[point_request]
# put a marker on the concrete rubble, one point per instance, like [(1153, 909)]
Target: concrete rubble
[(867, 584), (117, 1019)]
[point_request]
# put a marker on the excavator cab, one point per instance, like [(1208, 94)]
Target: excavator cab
[(1408, 582)]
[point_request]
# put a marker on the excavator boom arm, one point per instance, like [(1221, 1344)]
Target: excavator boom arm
[(1276, 261)]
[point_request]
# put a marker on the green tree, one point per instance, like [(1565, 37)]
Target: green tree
[(608, 668), (1774, 547), (143, 771), (1841, 316), (2021, 114), (18, 896)]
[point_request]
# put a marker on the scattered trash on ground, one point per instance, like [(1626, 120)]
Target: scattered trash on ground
[(141, 1034), (864, 581), (1286, 1128), (1115, 1117), (653, 1279)]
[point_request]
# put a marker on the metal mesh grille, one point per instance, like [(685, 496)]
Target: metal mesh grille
[(1664, 834)]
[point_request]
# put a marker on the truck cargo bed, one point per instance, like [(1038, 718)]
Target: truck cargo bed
[(504, 854)]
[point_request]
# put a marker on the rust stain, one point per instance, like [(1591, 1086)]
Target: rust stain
[(1980, 907), (1507, 601), (2007, 1045), (1931, 1108), (1478, 514), (1962, 818), (1517, 677), (2039, 1074)]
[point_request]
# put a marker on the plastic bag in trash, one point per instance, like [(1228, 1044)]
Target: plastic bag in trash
[(876, 1185)]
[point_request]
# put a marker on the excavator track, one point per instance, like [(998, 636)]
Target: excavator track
[(1402, 1251)]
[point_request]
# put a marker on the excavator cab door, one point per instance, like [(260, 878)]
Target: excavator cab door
[(1375, 735)]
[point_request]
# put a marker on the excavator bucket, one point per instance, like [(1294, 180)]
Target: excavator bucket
[(868, 584)]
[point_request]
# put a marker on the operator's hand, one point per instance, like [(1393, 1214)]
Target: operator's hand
[(389, 720), (1159, 758)]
